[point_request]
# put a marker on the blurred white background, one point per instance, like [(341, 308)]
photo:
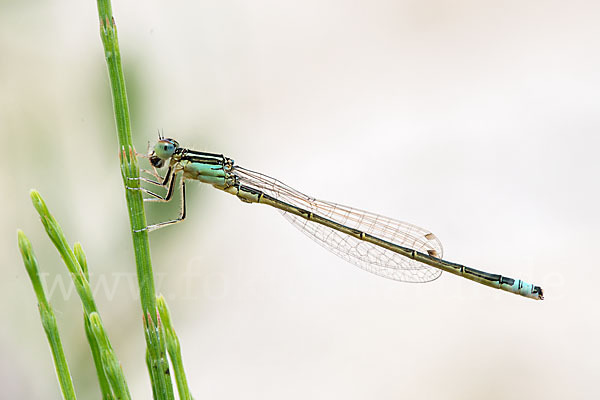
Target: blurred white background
[(475, 119)]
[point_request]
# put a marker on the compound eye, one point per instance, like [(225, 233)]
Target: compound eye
[(165, 148)]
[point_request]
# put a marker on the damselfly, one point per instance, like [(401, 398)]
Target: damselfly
[(381, 245)]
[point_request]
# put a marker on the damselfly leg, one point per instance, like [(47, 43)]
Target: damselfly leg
[(167, 182), (181, 217)]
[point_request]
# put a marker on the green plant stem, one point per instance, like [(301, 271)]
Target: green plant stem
[(128, 159), (111, 364), (48, 318), (57, 237), (162, 385), (105, 387), (108, 372), (174, 349), (158, 365)]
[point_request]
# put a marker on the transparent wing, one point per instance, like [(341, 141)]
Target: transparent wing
[(365, 255)]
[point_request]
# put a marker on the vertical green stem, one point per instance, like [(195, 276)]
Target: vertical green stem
[(103, 382), (162, 387), (129, 166), (174, 349)]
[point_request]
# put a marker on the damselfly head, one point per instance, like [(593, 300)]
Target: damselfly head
[(163, 150)]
